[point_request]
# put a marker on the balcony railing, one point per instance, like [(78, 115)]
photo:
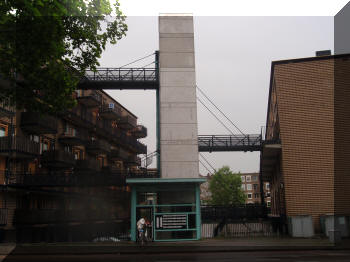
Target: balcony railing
[(133, 161), (89, 98), (34, 123), (98, 147), (3, 216), (20, 147), (81, 118), (110, 111), (139, 131), (58, 216), (107, 130), (127, 122), (75, 138), (57, 159), (118, 154), (109, 176), (87, 165)]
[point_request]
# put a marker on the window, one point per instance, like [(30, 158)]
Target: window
[(243, 187), (267, 186), (256, 195), (248, 178), (249, 187), (249, 196), (44, 146), (70, 130), (268, 203), (255, 186), (255, 178), (79, 92), (3, 131), (35, 138), (243, 178)]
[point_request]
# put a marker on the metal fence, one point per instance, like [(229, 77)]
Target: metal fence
[(240, 229), (232, 213)]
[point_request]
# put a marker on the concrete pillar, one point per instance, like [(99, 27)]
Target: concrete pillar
[(178, 107)]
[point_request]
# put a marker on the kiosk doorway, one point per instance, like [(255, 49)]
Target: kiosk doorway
[(171, 205)]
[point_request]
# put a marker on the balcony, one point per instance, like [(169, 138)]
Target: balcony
[(136, 146), (20, 147), (57, 159), (133, 161), (108, 170), (34, 123), (140, 148), (82, 118), (98, 147), (110, 111), (87, 165), (118, 154), (89, 98), (53, 216), (139, 131), (107, 130), (127, 122), (74, 138)]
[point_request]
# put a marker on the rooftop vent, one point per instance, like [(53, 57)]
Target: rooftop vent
[(323, 53)]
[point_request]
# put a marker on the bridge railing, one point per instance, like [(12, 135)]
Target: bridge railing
[(229, 142), (121, 74)]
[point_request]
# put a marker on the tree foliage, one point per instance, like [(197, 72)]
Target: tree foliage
[(46, 46), (225, 188)]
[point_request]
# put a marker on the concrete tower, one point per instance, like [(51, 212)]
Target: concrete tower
[(177, 101)]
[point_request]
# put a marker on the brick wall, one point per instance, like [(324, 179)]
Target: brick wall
[(306, 114), (342, 139)]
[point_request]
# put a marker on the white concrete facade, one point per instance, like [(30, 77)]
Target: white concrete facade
[(178, 107)]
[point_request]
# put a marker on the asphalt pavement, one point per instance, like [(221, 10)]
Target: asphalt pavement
[(236, 249), (259, 256)]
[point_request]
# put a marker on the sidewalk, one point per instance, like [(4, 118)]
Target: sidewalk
[(208, 245)]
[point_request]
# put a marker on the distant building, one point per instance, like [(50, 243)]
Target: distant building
[(251, 187)]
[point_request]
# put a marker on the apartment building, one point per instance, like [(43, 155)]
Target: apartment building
[(251, 187), (306, 153), (63, 176)]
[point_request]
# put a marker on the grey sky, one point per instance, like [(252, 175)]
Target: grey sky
[(233, 61)]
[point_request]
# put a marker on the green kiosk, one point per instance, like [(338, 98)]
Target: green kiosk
[(172, 205)]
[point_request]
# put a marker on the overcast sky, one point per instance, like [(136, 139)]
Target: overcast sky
[(233, 63)]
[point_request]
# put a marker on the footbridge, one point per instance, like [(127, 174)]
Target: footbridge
[(146, 78), (225, 143)]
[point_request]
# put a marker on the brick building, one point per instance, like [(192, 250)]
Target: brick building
[(63, 176), (251, 187), (307, 150)]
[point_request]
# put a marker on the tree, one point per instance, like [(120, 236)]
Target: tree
[(225, 188), (46, 46)]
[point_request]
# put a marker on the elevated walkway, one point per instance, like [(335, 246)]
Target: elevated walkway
[(120, 78), (225, 143)]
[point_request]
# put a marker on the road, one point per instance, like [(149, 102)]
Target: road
[(256, 256)]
